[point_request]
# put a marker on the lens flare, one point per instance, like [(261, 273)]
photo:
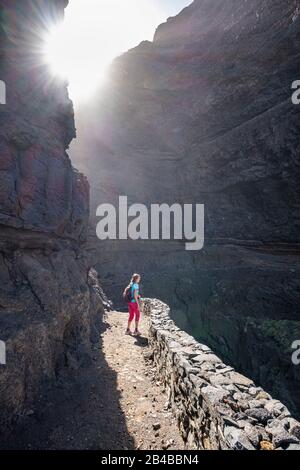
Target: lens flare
[(93, 33)]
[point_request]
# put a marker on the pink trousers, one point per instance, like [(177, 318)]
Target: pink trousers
[(134, 311)]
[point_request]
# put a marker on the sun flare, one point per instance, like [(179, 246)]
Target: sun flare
[(93, 33)]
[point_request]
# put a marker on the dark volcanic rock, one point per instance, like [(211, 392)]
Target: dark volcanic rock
[(204, 115), (49, 298), (39, 190)]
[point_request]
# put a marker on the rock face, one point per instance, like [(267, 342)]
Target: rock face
[(49, 297), (203, 114), (216, 408), (39, 189)]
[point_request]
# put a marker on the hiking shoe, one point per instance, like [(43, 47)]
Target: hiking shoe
[(137, 333), (128, 332)]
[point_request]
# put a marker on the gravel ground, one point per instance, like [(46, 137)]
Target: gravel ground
[(142, 399), (111, 403)]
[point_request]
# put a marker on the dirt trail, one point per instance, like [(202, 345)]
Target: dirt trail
[(142, 400), (110, 401)]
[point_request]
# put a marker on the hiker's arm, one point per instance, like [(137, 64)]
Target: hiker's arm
[(136, 295)]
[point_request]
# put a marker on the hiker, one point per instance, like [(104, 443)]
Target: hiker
[(132, 296)]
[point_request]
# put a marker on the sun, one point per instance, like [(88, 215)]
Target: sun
[(93, 33), (74, 60)]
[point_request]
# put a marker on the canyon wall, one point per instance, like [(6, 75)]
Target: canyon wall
[(49, 297), (216, 407), (203, 114)]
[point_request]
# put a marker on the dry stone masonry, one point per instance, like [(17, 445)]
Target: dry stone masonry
[(216, 407)]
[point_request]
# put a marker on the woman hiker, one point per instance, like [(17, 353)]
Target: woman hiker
[(133, 297)]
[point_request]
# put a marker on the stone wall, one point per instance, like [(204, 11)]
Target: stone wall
[(216, 407)]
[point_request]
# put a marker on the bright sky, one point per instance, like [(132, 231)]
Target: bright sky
[(171, 7), (96, 31)]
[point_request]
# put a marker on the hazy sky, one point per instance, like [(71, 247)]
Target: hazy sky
[(96, 31), (172, 7)]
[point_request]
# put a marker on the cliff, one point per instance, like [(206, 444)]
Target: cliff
[(49, 297), (203, 114)]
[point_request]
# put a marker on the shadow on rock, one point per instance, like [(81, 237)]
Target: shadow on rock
[(141, 341), (81, 411)]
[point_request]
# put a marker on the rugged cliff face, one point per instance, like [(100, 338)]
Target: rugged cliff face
[(204, 115), (49, 298)]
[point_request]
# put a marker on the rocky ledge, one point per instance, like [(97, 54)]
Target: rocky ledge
[(216, 407)]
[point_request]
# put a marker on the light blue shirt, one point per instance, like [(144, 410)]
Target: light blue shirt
[(134, 288)]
